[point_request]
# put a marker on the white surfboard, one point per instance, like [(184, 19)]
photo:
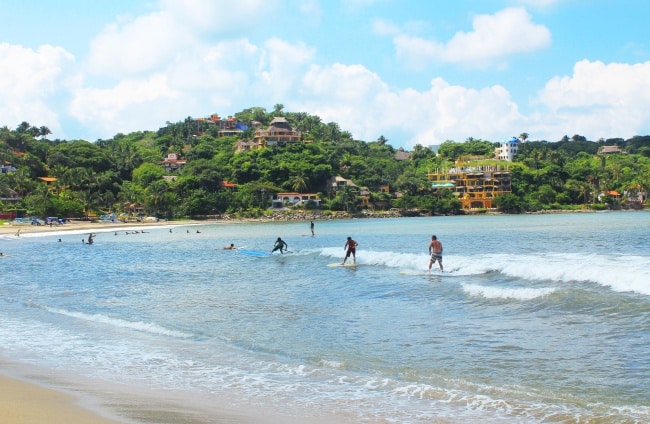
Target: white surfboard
[(339, 264)]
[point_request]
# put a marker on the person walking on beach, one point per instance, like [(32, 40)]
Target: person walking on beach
[(435, 250), (280, 245), (351, 247), (312, 228)]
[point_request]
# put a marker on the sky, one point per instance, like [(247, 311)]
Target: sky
[(412, 71)]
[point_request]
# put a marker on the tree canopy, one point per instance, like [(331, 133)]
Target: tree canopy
[(125, 174)]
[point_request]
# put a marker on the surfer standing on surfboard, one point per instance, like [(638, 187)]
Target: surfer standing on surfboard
[(351, 245), (280, 245), (435, 250)]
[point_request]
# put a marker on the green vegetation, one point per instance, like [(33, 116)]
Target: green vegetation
[(124, 175)]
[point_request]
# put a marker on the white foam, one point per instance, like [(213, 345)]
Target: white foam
[(488, 292), (621, 273), (116, 322)]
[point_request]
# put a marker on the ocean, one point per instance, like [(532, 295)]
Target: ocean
[(536, 318)]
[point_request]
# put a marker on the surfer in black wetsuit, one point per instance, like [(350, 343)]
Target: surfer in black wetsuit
[(280, 245)]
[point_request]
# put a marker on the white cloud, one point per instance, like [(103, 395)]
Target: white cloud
[(311, 9), (132, 105), (541, 4), (281, 65), (31, 82), (174, 33), (360, 102), (599, 100), (494, 38), (137, 46), (383, 27)]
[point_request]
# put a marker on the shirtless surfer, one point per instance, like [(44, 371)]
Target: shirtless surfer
[(435, 250), (351, 247)]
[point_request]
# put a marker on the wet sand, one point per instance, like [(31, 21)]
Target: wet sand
[(27, 403)]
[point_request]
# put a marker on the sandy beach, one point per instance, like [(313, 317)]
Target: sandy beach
[(27, 403), (22, 230)]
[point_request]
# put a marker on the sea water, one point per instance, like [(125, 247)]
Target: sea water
[(536, 318)]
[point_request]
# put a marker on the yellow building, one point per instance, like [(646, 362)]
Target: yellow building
[(476, 183)]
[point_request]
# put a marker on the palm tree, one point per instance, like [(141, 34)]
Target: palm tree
[(129, 194), (44, 131), (156, 194), (333, 131), (346, 193), (39, 200), (523, 136), (277, 109), (22, 181), (299, 183)]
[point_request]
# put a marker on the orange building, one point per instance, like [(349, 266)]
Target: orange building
[(476, 183)]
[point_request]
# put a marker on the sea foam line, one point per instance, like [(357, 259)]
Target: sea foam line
[(121, 323), (507, 292)]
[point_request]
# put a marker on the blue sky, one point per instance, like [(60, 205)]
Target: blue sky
[(416, 72)]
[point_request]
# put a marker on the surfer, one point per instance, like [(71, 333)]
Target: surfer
[(91, 238), (280, 245), (435, 250), (231, 247), (312, 228), (351, 247)]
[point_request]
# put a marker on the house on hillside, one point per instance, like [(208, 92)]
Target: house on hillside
[(227, 127), (7, 168), (608, 150), (245, 146), (173, 163), (293, 198), (336, 183), (49, 181), (400, 154), (475, 183), (507, 149), (278, 133)]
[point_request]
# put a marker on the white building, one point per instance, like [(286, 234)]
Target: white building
[(507, 149)]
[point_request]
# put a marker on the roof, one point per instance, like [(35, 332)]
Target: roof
[(610, 149), (402, 155)]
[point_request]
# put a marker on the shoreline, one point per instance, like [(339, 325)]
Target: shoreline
[(26, 402), (84, 227), (38, 396), (10, 229)]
